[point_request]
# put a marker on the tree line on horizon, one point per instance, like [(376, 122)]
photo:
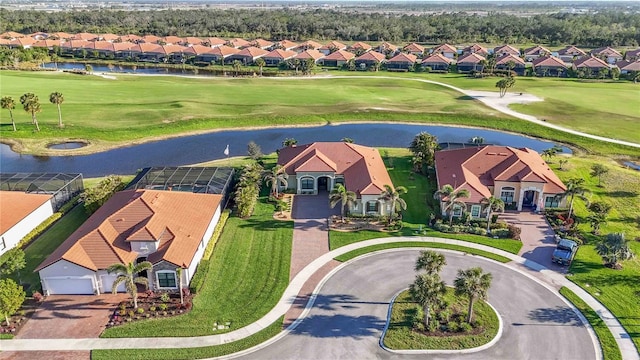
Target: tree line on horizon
[(605, 28)]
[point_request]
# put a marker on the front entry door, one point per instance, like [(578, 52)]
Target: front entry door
[(322, 183), (528, 198)]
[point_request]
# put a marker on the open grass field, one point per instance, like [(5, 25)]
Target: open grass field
[(248, 272), (132, 108), (618, 290)]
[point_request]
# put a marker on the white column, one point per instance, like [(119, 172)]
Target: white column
[(520, 199), (298, 185)]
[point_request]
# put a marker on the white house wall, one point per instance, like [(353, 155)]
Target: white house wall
[(188, 274), (18, 231), (63, 269)]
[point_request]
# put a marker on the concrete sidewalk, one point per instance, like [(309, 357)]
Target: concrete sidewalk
[(623, 340)]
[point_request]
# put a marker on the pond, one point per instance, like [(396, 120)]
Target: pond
[(210, 146), (67, 145), (143, 68)]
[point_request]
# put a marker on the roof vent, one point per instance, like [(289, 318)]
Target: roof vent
[(491, 153), (503, 154), (119, 220)]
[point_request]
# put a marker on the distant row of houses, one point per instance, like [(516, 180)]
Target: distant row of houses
[(204, 51)]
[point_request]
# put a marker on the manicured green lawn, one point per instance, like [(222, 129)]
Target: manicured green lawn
[(190, 353), (607, 342), (400, 335), (355, 253), (248, 272), (617, 289)]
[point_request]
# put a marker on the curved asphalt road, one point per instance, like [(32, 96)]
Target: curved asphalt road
[(350, 311)]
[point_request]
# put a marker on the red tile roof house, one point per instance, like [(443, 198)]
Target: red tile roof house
[(47, 43), (214, 42), (520, 177), (238, 43), (570, 53), (448, 51), (190, 41), (511, 63), (332, 47), (85, 36), (74, 47), (387, 48), (309, 45), (150, 39), (201, 54), (505, 50), (60, 36), (414, 49), (370, 60), (106, 49), (359, 48), (470, 62), (627, 66), (22, 42), (310, 54), (12, 35), (147, 52), (277, 56), (262, 44), (475, 49), (535, 52), (437, 63), (591, 67), (401, 62), (246, 56), (632, 55), (549, 66), (170, 229), (131, 38), (337, 58), (223, 52), (285, 45), (171, 40), (608, 54), (21, 212), (318, 167)]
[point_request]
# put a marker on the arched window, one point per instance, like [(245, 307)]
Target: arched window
[(507, 193), (306, 183)]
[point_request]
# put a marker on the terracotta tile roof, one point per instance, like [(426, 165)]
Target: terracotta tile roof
[(437, 58), (178, 220), (536, 50), (606, 51), (340, 55), (444, 48), (287, 44), (310, 54), (310, 44), (172, 39), (571, 51), (61, 35), (403, 58), (372, 56), (23, 41), (122, 46), (413, 47), (504, 60), (281, 54), (76, 44), (472, 58), (475, 48), (238, 43), (632, 53), (100, 45), (261, 43), (199, 50), (11, 35), (16, 205), (146, 47), (549, 61), (360, 45), (590, 62), (108, 37), (363, 169), (191, 40), (150, 39), (215, 41), (253, 52), (386, 46), (334, 45), (169, 49), (4, 41), (506, 49), (47, 43), (224, 50), (475, 169), (85, 36), (629, 65), (130, 38)]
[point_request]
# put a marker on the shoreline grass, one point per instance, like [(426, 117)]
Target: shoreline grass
[(355, 253)]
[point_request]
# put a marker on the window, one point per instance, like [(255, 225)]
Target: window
[(372, 206), (457, 210), (166, 279), (307, 183), (507, 194), (475, 211), (551, 202)]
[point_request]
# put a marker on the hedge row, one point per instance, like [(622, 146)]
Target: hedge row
[(197, 281)]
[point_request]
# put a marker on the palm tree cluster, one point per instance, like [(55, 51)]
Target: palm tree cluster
[(423, 146), (128, 274), (392, 196), (576, 189), (275, 177), (598, 216), (613, 249), (505, 84), (248, 189), (31, 104), (451, 199), (340, 195)]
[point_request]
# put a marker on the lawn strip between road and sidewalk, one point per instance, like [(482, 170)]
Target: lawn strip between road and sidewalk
[(355, 253), (607, 342)]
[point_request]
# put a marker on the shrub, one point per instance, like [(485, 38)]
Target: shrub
[(152, 308), (465, 327), (453, 326), (501, 233), (514, 232), (98, 195), (39, 229), (188, 305), (494, 218), (164, 297), (140, 310), (198, 278), (216, 235), (163, 307), (69, 204), (477, 230)]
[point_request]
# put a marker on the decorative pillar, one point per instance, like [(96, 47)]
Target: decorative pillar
[(520, 199)]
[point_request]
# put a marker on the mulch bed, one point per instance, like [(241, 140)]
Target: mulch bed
[(151, 305), (351, 224), (17, 320)]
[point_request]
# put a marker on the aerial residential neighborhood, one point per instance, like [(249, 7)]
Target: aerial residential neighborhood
[(319, 181)]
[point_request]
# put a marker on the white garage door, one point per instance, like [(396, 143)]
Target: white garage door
[(69, 286), (107, 281)]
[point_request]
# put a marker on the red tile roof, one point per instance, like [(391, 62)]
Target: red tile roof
[(191, 40), (475, 48), (23, 41), (253, 52), (150, 39), (172, 39), (130, 38), (198, 50), (61, 35), (177, 220), (506, 49), (444, 48), (48, 43), (170, 49), (261, 43), (281, 54), (215, 41), (549, 61), (16, 205), (76, 44), (238, 43), (363, 169), (505, 60), (571, 51), (537, 50), (413, 47), (334, 45), (386, 46), (340, 55), (11, 35), (629, 65), (372, 56), (146, 48), (311, 45), (287, 44), (360, 45), (590, 62), (108, 37), (403, 58), (475, 169), (606, 51), (224, 50), (310, 54), (632, 53), (85, 36), (472, 58), (437, 58)]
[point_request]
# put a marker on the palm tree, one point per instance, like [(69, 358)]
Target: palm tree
[(431, 262), (613, 249), (597, 170), (341, 195), (260, 63), (389, 194), (599, 211), (8, 103), (451, 199), (289, 142), (128, 274), (274, 177), (31, 104), (562, 163), (428, 291), (575, 189), (505, 84), (492, 204), (236, 66), (179, 275), (57, 98), (474, 284)]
